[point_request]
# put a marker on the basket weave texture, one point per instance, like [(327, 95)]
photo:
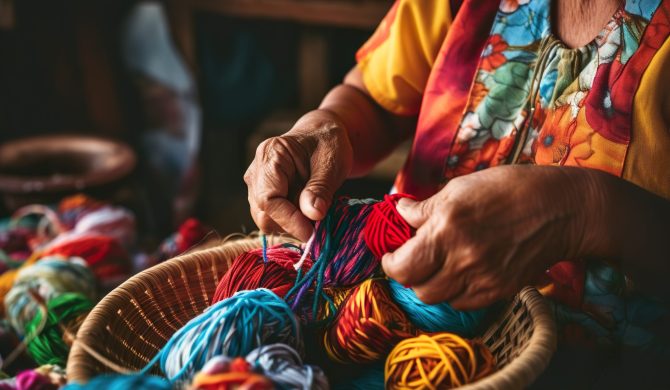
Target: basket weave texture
[(130, 325)]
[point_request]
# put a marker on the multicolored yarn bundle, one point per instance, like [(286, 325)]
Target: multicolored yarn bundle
[(438, 361), (232, 327), (108, 260), (267, 367), (283, 366), (47, 278), (223, 373), (367, 326)]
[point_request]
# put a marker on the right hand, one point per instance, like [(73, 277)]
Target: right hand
[(294, 176)]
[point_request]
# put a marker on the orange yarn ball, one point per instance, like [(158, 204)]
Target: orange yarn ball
[(367, 325), (439, 361)]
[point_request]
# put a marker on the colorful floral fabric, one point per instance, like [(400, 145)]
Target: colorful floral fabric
[(503, 89)]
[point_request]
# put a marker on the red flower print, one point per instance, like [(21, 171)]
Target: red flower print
[(492, 56), (553, 141)]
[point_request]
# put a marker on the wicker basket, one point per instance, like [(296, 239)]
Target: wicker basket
[(129, 326)]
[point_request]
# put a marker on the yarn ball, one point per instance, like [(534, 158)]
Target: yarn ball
[(47, 278), (385, 229), (223, 373), (334, 298), (8, 278), (367, 326), (283, 366), (339, 243), (108, 260), (190, 233), (438, 361), (110, 221), (435, 318), (122, 382), (73, 208), (341, 257), (27, 380), (231, 327), (46, 377), (47, 342), (250, 271)]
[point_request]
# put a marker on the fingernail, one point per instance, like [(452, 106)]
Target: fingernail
[(407, 285)]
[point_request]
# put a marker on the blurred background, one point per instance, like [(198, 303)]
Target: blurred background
[(177, 95)]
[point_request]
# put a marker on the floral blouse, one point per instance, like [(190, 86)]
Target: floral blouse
[(492, 85)]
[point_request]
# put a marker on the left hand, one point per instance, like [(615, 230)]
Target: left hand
[(487, 234)]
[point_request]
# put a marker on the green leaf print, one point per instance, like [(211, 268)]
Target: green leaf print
[(508, 91)]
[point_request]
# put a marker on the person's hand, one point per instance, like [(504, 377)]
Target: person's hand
[(294, 176), (486, 235)]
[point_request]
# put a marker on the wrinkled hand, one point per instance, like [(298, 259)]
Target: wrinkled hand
[(486, 235), (294, 176)]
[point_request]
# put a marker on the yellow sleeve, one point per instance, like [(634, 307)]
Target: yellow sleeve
[(396, 61), (647, 163)]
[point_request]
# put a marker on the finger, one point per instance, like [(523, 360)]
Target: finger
[(289, 217), (414, 212), (264, 223), (325, 178), (269, 190), (480, 295), (416, 260), (472, 301), (441, 287)]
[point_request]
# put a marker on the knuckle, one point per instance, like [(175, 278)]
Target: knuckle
[(248, 175)]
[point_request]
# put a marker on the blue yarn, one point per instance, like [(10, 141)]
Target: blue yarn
[(343, 258), (232, 327), (435, 318), (264, 241), (122, 382)]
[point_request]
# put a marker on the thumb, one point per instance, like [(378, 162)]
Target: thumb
[(414, 212), (317, 195)]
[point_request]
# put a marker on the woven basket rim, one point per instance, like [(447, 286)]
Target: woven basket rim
[(532, 361)]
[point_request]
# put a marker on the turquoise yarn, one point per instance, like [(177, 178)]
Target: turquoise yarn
[(122, 382), (232, 327), (436, 318)]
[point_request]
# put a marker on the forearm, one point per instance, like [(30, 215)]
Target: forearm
[(373, 132), (632, 226)]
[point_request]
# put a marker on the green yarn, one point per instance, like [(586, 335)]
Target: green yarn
[(47, 346)]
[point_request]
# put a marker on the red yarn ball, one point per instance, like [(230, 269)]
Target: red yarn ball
[(249, 271), (190, 233), (108, 260), (385, 229)]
